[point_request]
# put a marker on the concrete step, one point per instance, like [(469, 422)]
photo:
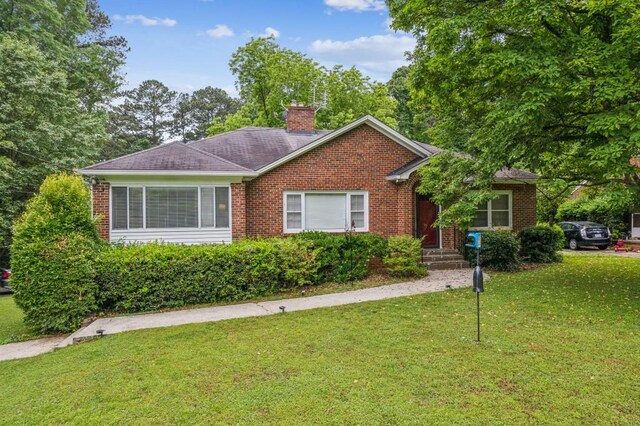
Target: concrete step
[(438, 257), (446, 264), (437, 252)]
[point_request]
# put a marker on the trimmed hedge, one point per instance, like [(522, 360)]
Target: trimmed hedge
[(154, 276), (500, 251), (52, 253), (403, 257), (541, 243), (344, 258)]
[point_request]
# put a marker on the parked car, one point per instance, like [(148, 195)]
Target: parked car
[(4, 278), (582, 234)]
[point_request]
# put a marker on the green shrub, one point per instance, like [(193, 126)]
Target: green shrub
[(603, 208), (500, 251), (541, 243), (138, 278), (53, 250), (344, 258), (403, 257)]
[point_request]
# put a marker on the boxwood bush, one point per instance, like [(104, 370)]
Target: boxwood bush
[(52, 256), (154, 276), (344, 257), (500, 251), (541, 243), (403, 257)]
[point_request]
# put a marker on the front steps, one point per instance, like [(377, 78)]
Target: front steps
[(440, 259)]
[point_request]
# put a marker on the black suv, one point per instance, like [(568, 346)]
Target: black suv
[(581, 234)]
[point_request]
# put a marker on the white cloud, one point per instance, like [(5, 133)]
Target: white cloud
[(220, 31), (145, 21), (377, 55), (270, 32), (356, 5)]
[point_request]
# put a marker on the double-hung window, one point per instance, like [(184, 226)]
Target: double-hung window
[(166, 207), (325, 211), (496, 213)]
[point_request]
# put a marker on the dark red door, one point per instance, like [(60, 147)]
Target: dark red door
[(426, 215)]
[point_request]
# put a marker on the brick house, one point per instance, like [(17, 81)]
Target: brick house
[(256, 182)]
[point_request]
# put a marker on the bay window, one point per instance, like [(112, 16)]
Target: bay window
[(166, 207), (325, 211), (496, 213)]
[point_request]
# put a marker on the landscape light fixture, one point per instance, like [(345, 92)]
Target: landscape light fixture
[(282, 308), (100, 332)]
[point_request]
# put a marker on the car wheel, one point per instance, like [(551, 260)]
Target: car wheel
[(573, 244), (602, 247)]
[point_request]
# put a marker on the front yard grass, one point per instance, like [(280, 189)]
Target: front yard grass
[(560, 346), (12, 328)]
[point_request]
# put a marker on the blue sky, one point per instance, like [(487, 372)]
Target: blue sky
[(187, 44)]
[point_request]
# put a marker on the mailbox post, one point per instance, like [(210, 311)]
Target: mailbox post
[(475, 242)]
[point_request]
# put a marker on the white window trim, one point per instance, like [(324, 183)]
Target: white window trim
[(144, 207), (348, 195), (490, 210)]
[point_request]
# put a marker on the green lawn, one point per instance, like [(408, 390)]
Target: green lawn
[(562, 346), (12, 329)]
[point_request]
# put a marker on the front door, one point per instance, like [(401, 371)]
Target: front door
[(426, 215)]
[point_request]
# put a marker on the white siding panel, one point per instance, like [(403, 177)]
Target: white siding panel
[(180, 236)]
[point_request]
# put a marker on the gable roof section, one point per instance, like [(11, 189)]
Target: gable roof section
[(412, 146), (172, 158), (255, 147)]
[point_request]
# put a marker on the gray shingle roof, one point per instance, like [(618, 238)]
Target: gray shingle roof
[(515, 174), (255, 147), (175, 156)]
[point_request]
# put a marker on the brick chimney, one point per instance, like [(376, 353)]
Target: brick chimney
[(301, 119)]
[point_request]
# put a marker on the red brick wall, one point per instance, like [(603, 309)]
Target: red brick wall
[(238, 212), (357, 160), (301, 119), (101, 208), (523, 212)]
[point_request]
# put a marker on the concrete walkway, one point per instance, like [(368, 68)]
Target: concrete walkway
[(436, 281)]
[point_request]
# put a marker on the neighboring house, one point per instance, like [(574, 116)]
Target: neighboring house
[(259, 182)]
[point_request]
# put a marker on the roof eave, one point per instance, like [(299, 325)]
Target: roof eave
[(94, 172)]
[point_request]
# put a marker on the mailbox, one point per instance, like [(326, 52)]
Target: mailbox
[(474, 240)]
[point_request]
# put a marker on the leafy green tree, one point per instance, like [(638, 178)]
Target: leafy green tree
[(204, 105), (59, 67), (411, 121), (43, 126), (269, 77), (181, 122), (143, 120), (548, 85), (74, 33)]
